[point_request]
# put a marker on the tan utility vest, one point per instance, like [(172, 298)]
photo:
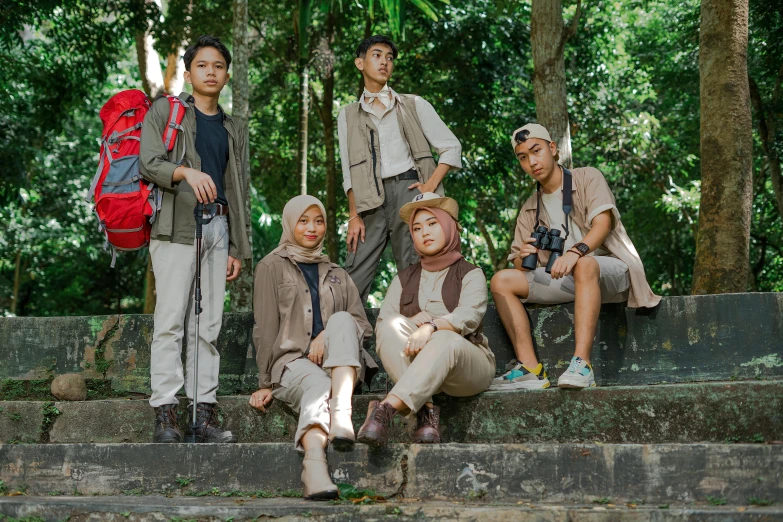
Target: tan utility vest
[(364, 151)]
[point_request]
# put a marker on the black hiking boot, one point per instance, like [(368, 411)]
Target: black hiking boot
[(207, 428), (166, 428)]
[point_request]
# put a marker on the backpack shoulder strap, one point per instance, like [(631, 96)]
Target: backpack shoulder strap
[(176, 114)]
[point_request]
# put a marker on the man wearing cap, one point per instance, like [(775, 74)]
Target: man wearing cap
[(386, 142), (599, 262)]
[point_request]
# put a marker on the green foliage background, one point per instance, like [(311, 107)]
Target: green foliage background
[(633, 87)]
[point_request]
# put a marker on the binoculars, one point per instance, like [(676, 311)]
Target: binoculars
[(546, 239)]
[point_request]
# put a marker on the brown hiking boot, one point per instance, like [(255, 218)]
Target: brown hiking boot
[(427, 426), (166, 428), (375, 430), (207, 427)]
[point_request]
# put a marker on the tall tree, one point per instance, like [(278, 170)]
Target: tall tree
[(302, 26), (242, 288), (549, 36), (722, 244), (325, 106)]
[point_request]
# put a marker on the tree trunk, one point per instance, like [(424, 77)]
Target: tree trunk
[(304, 105), (242, 288), (768, 125), (324, 109), (722, 244), (17, 281), (173, 81), (548, 36), (301, 26)]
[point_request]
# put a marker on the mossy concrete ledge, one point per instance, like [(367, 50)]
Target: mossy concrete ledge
[(684, 339), (659, 473), (701, 412), (212, 509)]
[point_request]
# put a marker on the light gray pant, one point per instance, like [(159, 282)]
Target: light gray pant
[(175, 281), (383, 224), (306, 387)]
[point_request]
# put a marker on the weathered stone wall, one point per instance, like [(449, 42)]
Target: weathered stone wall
[(685, 339)]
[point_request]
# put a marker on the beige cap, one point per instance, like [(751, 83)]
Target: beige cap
[(534, 130), (430, 200)]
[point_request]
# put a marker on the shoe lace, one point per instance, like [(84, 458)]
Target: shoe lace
[(428, 417), (168, 418), (383, 413), (208, 416)]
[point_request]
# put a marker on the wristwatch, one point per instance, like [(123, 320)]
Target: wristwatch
[(582, 249), (434, 327)]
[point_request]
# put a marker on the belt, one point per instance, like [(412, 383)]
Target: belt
[(220, 210), (408, 175)]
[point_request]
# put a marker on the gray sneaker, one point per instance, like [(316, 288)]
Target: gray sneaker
[(521, 378)]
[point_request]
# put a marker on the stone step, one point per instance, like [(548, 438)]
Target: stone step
[(558, 473), (684, 339), (143, 509), (702, 412)]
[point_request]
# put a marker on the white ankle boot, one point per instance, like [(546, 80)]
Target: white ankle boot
[(341, 427), (318, 484)]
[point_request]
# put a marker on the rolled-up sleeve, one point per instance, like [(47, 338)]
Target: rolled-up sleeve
[(342, 138), (267, 321), (469, 313), (522, 231), (438, 134), (391, 303), (598, 197), (154, 164)]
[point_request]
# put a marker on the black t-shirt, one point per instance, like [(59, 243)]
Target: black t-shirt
[(212, 147), (310, 271)]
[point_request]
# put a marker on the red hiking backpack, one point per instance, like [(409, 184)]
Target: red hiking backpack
[(125, 203)]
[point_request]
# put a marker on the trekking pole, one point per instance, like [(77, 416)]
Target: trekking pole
[(203, 214)]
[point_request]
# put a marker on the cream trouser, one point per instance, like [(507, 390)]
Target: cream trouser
[(306, 387), (448, 363), (175, 281)]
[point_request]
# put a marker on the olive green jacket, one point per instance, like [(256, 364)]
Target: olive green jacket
[(175, 221)]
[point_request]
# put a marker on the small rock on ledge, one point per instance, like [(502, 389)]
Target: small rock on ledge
[(69, 387)]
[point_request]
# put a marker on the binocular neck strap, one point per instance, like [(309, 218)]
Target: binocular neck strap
[(568, 201)]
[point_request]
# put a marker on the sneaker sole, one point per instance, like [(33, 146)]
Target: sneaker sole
[(529, 385), (573, 385)]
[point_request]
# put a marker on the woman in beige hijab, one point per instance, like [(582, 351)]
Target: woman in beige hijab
[(428, 333), (308, 333)]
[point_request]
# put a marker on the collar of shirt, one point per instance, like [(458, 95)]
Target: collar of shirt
[(386, 96)]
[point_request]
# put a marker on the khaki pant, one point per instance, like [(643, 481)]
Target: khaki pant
[(383, 224), (306, 387), (448, 363), (614, 283), (175, 281)]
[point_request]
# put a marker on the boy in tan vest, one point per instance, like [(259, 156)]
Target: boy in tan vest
[(386, 142), (599, 263)]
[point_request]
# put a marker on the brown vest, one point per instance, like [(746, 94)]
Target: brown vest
[(410, 278)]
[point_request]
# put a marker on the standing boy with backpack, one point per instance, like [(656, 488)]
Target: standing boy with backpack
[(386, 142), (205, 166)]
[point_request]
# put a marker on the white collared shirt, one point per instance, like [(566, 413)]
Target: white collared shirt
[(395, 156)]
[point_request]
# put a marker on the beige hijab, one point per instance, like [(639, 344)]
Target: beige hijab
[(291, 213)]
